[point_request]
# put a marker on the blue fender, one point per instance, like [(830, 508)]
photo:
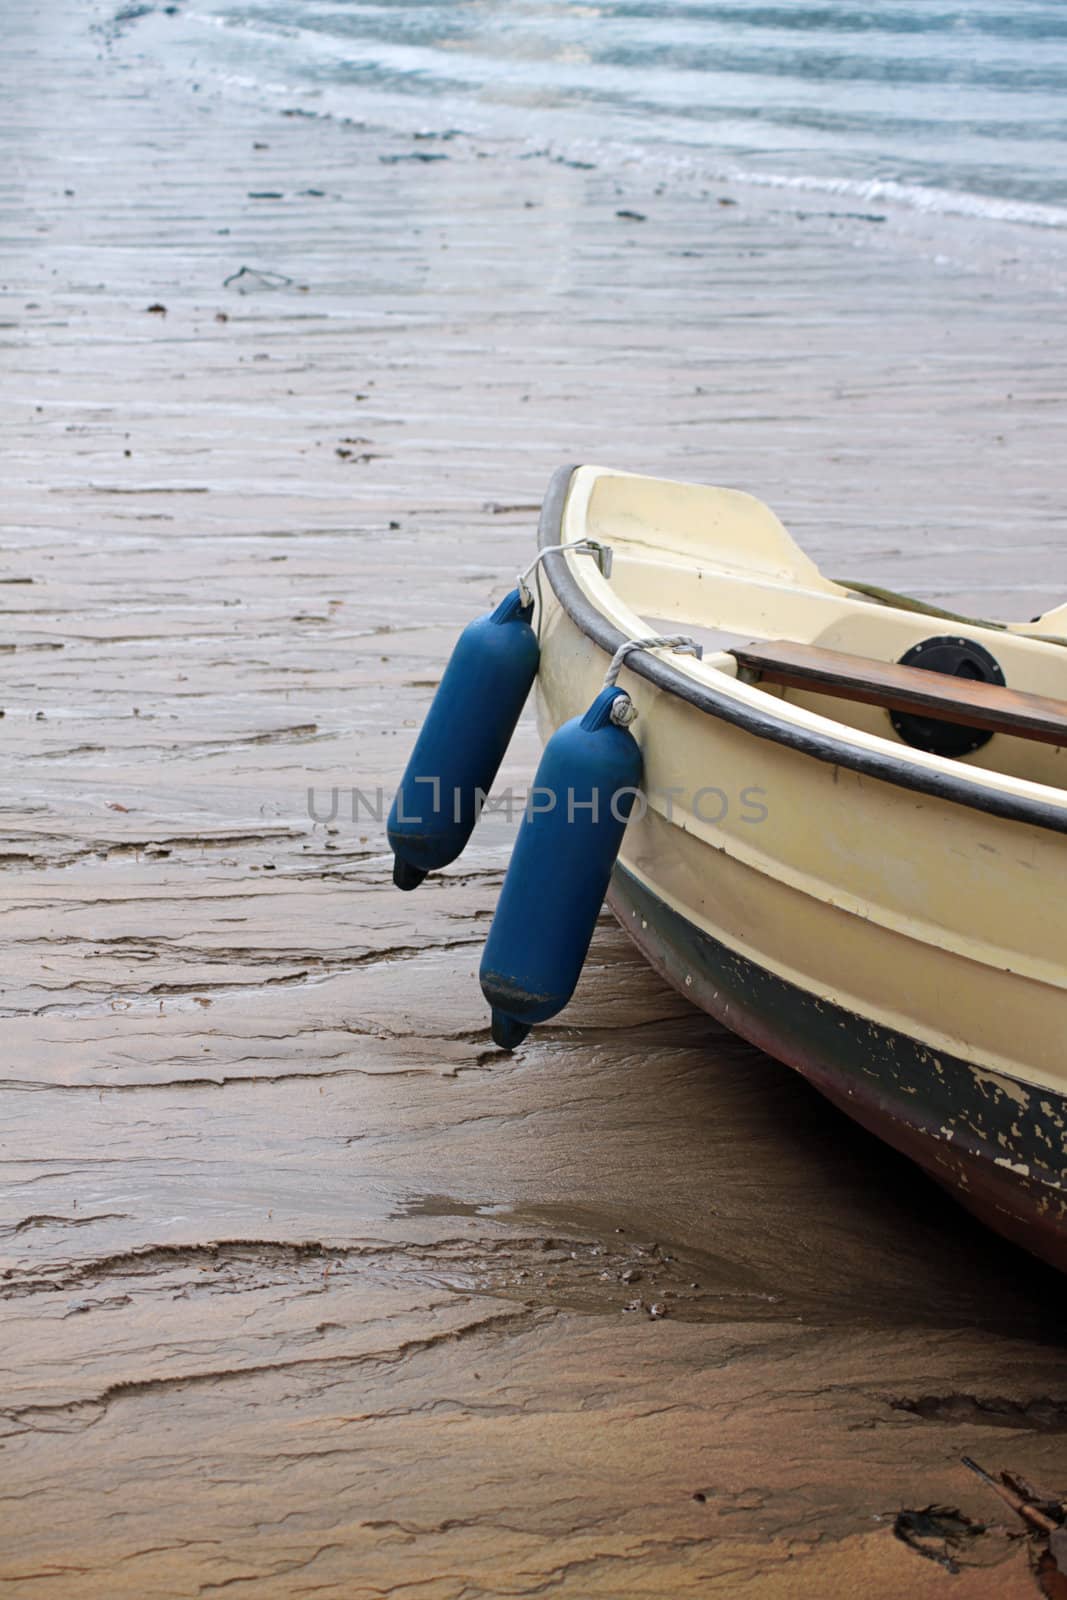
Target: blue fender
[(463, 740), (567, 844)]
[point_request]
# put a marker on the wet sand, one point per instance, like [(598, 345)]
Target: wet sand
[(306, 1288)]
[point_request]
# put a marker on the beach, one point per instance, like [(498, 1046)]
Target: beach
[(357, 1305)]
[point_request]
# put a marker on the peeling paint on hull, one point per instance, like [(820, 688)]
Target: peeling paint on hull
[(980, 1135)]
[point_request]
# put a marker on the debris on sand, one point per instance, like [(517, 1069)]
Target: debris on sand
[(939, 1533), (250, 280), (414, 155), (1045, 1513), (1046, 1516)]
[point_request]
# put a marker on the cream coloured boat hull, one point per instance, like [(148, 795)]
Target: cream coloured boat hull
[(890, 923)]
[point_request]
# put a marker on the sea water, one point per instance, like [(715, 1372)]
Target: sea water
[(911, 103)]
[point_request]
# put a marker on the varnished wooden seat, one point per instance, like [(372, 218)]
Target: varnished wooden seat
[(915, 690)]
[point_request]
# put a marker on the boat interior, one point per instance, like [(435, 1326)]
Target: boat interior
[(718, 566)]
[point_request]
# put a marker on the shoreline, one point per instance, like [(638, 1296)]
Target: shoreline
[(570, 130), (309, 1287)]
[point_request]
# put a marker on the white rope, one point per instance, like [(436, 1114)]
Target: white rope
[(587, 546), (679, 641)]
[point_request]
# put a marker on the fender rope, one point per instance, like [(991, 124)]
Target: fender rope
[(590, 547), (623, 712)]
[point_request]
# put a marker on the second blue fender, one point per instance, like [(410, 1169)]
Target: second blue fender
[(567, 844)]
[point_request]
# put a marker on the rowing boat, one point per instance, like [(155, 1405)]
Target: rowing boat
[(851, 846)]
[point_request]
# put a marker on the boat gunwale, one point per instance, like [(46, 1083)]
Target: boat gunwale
[(950, 785)]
